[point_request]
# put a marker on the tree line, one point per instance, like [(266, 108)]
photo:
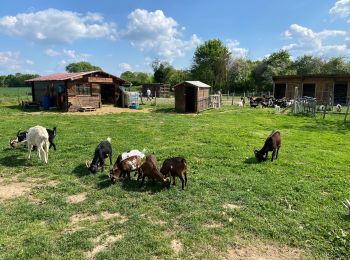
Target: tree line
[(214, 64)]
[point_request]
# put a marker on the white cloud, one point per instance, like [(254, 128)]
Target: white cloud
[(341, 9), (51, 52), (125, 67), (236, 51), (70, 53), (306, 41), (157, 35), (63, 63), (56, 26), (11, 62)]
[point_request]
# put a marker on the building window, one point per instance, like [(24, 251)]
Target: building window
[(83, 89)]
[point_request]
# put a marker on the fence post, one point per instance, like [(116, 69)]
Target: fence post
[(347, 111), (232, 100)]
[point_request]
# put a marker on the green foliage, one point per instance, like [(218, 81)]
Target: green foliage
[(210, 63), (308, 64), (178, 76), (16, 81), (81, 66), (336, 65), (240, 76), (162, 71), (136, 78)]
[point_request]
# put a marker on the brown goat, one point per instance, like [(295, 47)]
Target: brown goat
[(272, 143), (124, 167), (149, 169), (175, 166)]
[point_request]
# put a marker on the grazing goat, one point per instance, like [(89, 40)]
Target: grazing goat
[(272, 143), (175, 166), (126, 163), (277, 109), (102, 151), (338, 108), (149, 169), (322, 108), (38, 136), (22, 137)]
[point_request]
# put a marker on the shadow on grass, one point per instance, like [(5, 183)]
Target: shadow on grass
[(251, 160), (81, 170), (13, 161), (168, 110), (19, 108), (346, 217)]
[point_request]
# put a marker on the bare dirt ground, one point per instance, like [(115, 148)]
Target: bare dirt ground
[(110, 110)]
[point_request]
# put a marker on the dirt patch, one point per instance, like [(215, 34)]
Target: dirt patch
[(261, 251), (11, 188), (213, 225), (109, 110), (231, 206), (177, 246), (102, 243), (77, 198), (75, 219)]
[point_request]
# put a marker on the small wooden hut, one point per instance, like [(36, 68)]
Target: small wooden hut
[(74, 91), (192, 97), (321, 86), (157, 89)]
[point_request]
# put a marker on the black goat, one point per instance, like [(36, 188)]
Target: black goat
[(102, 151), (272, 143), (22, 137)]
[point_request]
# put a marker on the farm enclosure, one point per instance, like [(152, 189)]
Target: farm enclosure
[(231, 201)]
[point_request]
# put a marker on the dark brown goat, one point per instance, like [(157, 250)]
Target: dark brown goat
[(175, 166), (149, 169), (272, 143), (124, 167)]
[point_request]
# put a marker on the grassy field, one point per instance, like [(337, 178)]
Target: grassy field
[(232, 205), (14, 95)]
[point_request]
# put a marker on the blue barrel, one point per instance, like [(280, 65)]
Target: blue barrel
[(46, 102)]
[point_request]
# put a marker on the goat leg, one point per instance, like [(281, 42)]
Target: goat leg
[(143, 180), (182, 181), (185, 174), (174, 180), (277, 152), (273, 154)]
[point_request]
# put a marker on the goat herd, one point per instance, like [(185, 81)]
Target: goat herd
[(132, 161)]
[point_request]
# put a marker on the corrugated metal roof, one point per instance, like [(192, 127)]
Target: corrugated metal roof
[(68, 75), (196, 83)]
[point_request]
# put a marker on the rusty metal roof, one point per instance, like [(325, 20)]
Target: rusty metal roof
[(68, 76)]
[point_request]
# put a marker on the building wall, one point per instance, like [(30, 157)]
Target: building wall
[(46, 88), (160, 90), (202, 99)]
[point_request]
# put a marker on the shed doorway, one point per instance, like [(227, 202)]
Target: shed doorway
[(340, 93), (309, 90), (107, 94), (190, 93), (280, 90)]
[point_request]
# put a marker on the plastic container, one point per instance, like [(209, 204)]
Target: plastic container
[(46, 102)]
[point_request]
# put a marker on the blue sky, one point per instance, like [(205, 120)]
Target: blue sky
[(43, 37)]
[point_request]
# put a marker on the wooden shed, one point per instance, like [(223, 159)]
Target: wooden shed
[(157, 89), (72, 91), (192, 97), (322, 87)]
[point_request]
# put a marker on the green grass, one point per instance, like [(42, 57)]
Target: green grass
[(311, 174), (17, 95)]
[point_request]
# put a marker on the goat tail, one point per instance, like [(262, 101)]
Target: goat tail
[(109, 140)]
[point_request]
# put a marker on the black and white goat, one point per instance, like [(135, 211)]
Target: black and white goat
[(38, 136), (102, 151), (338, 108), (272, 143), (22, 137)]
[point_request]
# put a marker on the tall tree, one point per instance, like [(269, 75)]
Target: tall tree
[(81, 66), (162, 71), (240, 75), (308, 64), (336, 65), (210, 63), (136, 78)]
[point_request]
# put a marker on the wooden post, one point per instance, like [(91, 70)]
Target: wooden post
[(347, 111), (232, 100)]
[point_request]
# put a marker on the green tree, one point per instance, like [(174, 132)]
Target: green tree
[(336, 65), (278, 63), (210, 63), (136, 78), (81, 66), (308, 64), (240, 76), (15, 80), (162, 71), (178, 76)]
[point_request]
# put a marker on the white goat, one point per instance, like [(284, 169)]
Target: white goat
[(277, 109), (38, 136), (338, 108)]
